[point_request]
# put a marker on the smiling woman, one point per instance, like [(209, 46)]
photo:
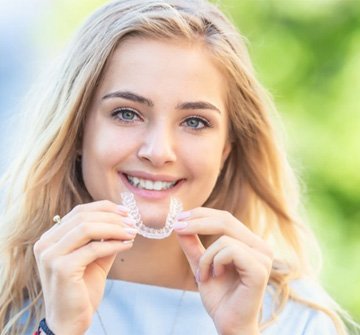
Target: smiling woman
[(167, 121), (155, 101)]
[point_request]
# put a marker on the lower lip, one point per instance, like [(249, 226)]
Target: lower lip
[(140, 192)]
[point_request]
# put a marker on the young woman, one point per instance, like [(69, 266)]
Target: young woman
[(159, 100)]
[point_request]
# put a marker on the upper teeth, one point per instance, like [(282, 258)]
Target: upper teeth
[(149, 184)]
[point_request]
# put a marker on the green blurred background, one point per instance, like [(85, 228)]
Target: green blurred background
[(307, 53)]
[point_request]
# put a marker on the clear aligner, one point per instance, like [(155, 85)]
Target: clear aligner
[(157, 233)]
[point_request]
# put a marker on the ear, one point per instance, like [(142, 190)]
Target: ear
[(226, 152)]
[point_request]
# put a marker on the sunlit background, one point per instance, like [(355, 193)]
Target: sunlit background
[(306, 52)]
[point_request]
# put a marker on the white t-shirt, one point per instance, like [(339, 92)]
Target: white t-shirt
[(138, 309)]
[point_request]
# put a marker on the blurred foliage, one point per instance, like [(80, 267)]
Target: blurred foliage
[(307, 53)]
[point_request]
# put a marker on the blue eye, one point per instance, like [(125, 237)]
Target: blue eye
[(196, 122), (125, 114)]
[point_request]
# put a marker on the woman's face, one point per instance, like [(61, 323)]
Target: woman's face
[(157, 127)]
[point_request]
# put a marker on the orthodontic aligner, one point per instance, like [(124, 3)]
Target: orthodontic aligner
[(149, 232)]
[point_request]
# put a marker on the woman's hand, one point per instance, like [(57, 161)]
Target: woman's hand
[(74, 259), (232, 273)]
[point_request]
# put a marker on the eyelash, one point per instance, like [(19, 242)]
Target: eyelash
[(115, 114), (205, 122)]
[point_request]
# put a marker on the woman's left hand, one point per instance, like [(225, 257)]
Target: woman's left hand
[(232, 272)]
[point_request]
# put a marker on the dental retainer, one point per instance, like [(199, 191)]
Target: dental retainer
[(155, 233)]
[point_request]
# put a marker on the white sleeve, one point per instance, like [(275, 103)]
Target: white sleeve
[(320, 323), (297, 319)]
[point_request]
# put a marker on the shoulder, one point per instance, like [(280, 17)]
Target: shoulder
[(299, 316)]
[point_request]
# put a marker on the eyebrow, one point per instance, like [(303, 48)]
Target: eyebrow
[(198, 105), (138, 98), (129, 96)]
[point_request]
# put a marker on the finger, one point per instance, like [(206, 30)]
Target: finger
[(74, 263), (86, 233), (255, 273), (95, 216), (193, 250), (106, 262), (226, 251), (58, 231), (206, 264), (97, 251), (208, 221), (98, 206)]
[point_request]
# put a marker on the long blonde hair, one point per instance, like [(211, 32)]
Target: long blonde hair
[(256, 184)]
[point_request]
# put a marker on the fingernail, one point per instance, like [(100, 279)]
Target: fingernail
[(131, 231), (183, 215), (123, 209), (180, 225), (128, 241), (129, 221)]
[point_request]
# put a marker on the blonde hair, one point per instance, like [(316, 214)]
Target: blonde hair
[(256, 184)]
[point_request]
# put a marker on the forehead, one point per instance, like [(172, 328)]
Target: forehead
[(150, 66)]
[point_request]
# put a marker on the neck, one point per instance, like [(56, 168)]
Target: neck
[(154, 262)]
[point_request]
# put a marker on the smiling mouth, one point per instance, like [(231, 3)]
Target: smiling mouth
[(150, 185)]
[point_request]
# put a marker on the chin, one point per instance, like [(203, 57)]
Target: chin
[(153, 215), (157, 220)]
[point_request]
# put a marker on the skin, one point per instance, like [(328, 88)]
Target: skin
[(158, 140), (173, 127)]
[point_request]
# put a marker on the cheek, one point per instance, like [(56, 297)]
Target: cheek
[(204, 159), (98, 150), (203, 165), (103, 149), (105, 142)]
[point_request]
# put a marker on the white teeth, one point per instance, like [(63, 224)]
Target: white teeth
[(157, 185), (149, 184)]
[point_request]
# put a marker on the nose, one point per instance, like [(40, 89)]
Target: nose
[(157, 146)]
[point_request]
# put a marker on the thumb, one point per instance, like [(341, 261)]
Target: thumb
[(192, 248), (106, 263)]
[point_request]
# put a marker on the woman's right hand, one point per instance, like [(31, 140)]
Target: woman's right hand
[(74, 259)]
